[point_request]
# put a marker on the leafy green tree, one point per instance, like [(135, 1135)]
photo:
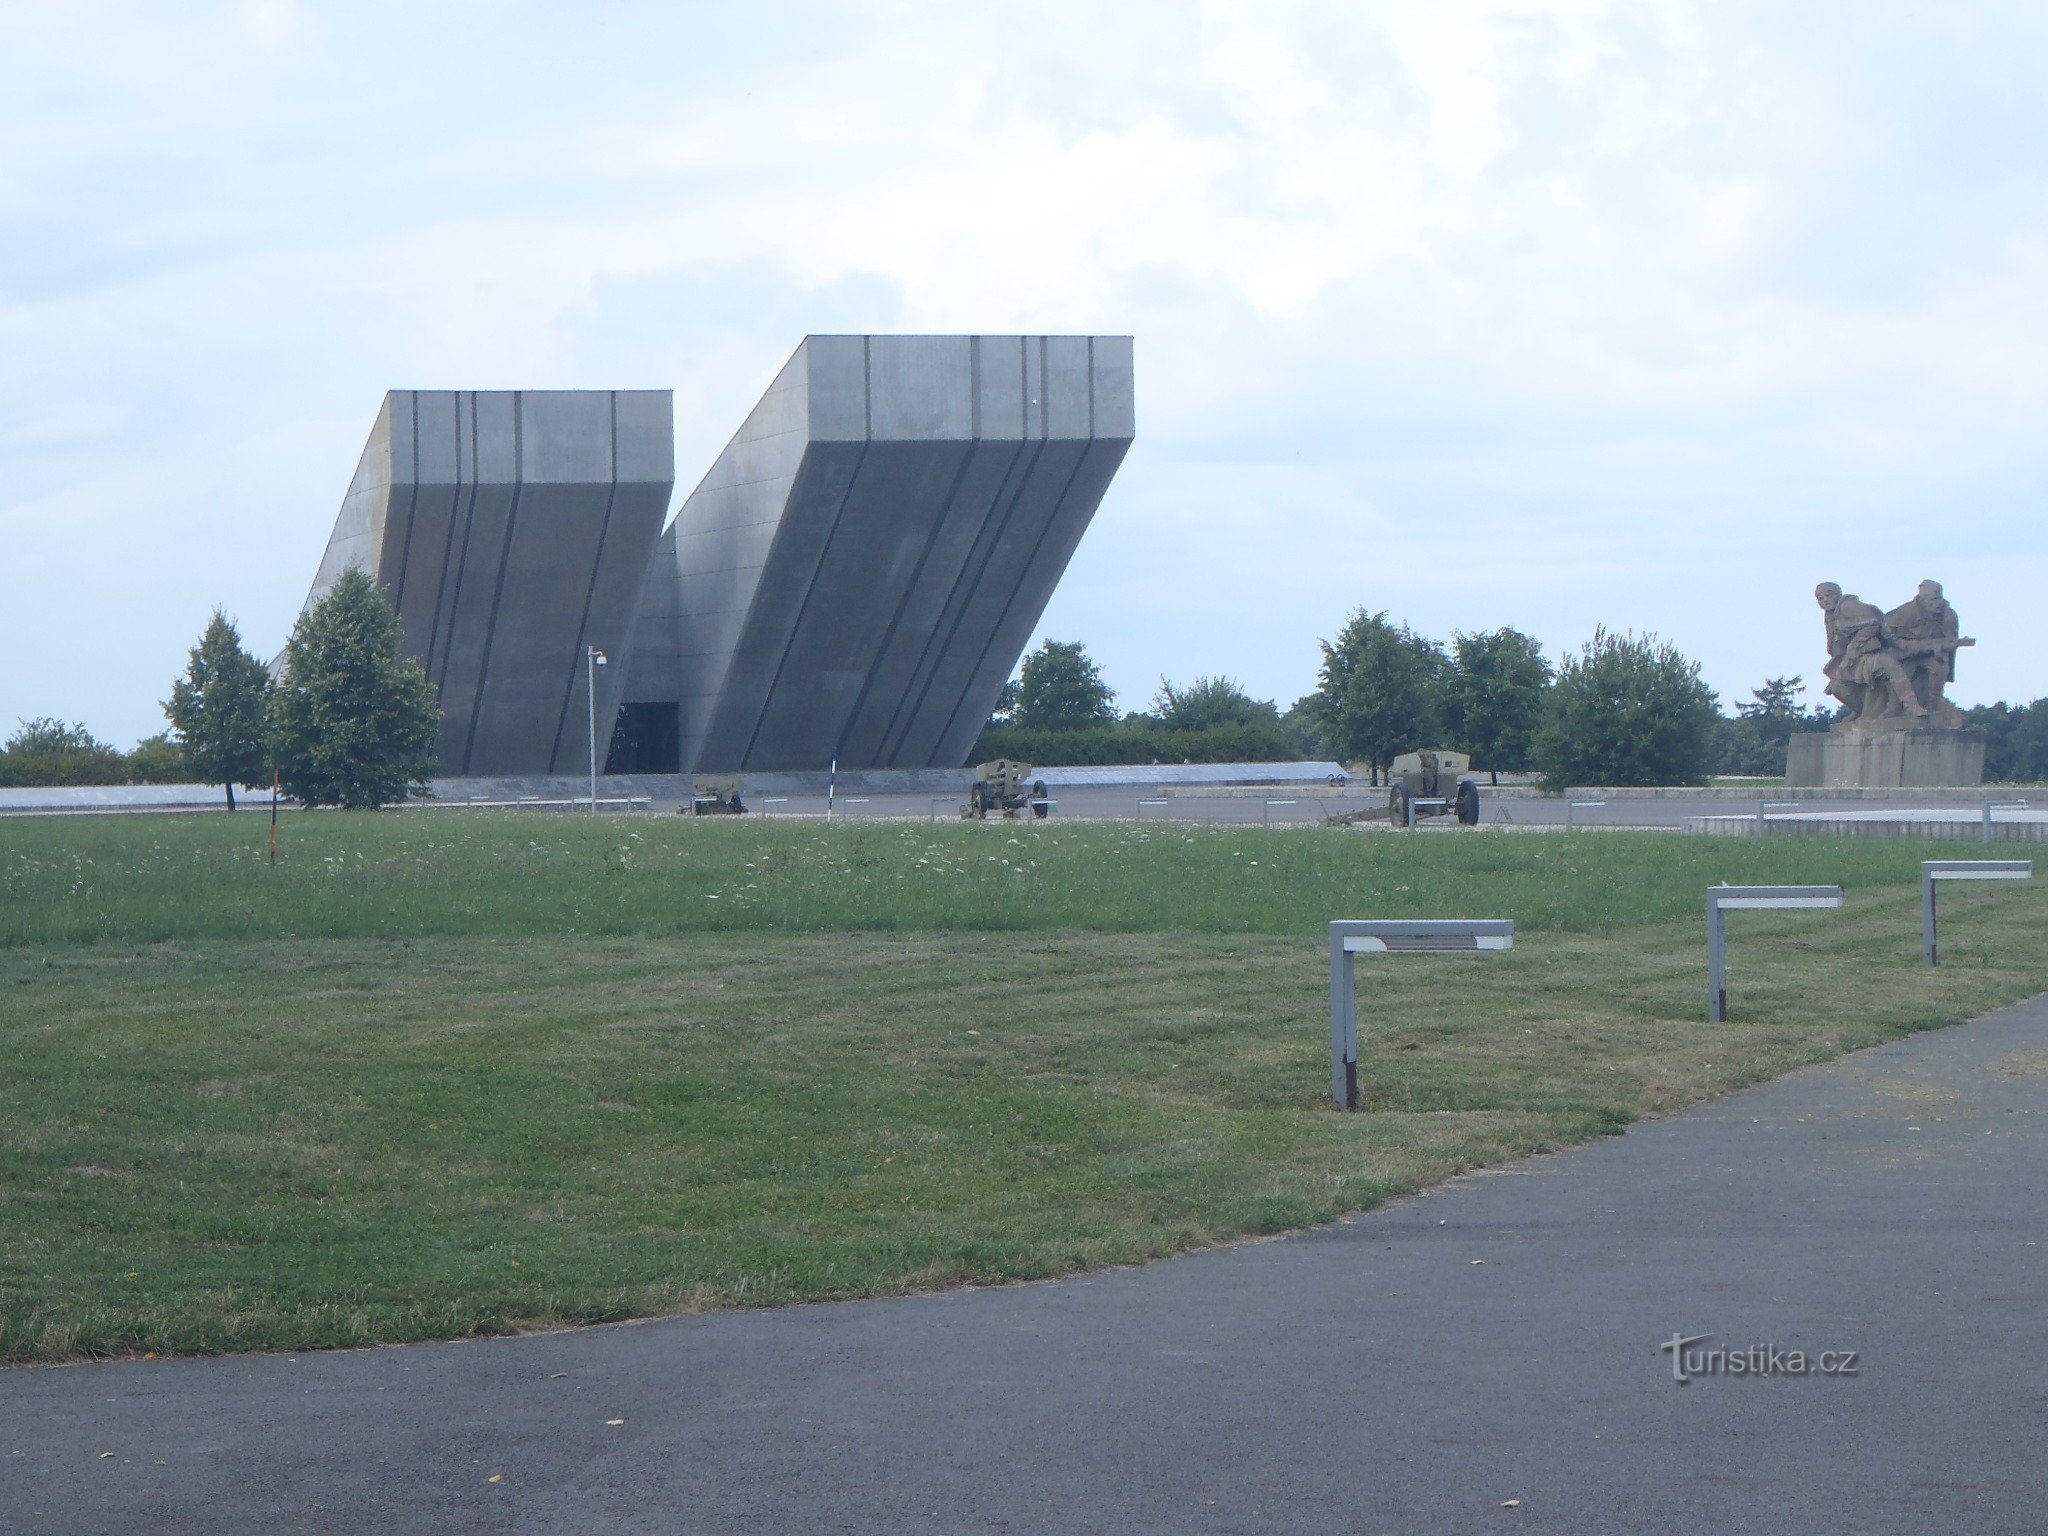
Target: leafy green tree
[(1060, 689), (1754, 741), (1304, 729), (1005, 709), (50, 737), (158, 760), (354, 721), (2017, 751), (1382, 690), (220, 709), (1498, 678), (1627, 710), (1210, 702), (48, 751)]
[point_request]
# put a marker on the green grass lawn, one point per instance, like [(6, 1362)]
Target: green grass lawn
[(450, 1073)]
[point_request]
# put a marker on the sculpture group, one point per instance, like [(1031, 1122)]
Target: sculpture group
[(1890, 670)]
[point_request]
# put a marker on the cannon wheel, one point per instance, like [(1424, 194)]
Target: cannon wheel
[(1468, 803), (1038, 805), (1397, 805), (977, 802)]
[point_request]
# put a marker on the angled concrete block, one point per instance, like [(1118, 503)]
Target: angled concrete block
[(859, 571), (511, 529)]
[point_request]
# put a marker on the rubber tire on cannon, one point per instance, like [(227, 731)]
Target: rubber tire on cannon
[(1467, 803), (977, 802), (1039, 806), (1397, 805)]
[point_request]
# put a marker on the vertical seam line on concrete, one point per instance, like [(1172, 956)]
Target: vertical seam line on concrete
[(583, 628), (956, 606), (1001, 514), (1037, 547), (903, 606), (483, 671), (824, 551), (452, 567), (1091, 389), (412, 509)]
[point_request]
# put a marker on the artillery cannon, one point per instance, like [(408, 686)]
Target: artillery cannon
[(1000, 786), (1432, 782), (716, 797)]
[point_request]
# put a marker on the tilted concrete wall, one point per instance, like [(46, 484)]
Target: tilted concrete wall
[(511, 528), (861, 568)]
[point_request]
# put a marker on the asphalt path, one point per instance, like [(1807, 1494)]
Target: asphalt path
[(1485, 1358)]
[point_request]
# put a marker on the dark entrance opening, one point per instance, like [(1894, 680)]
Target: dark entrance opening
[(647, 739)]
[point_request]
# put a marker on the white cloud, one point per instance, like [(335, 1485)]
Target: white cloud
[(1548, 314)]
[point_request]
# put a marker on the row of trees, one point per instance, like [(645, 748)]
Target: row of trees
[(2017, 751), (1623, 709), (348, 721), (50, 751), (1059, 709)]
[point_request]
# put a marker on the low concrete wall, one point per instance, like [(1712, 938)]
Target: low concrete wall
[(1923, 831), (82, 799), (1926, 759)]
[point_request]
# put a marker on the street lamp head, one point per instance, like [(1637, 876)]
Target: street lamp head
[(598, 657)]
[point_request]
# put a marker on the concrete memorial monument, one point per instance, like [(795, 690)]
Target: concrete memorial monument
[(1890, 671), (851, 583)]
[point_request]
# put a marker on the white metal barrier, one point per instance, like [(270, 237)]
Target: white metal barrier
[(1933, 871), (1722, 899), (1350, 938)]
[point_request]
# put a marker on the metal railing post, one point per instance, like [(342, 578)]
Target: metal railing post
[(1722, 899), (1348, 939), (1343, 1023), (1933, 871), (1717, 963), (1764, 805)]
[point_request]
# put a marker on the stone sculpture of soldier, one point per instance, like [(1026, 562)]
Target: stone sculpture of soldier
[(1925, 634), (1863, 671)]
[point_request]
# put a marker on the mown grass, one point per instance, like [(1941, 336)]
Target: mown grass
[(412, 874), (316, 1106)]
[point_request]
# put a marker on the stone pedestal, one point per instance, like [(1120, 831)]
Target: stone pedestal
[(1924, 759)]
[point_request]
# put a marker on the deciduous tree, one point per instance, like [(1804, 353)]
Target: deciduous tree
[(354, 719), (1060, 689), (1381, 691), (1626, 709), (1498, 681), (220, 709)]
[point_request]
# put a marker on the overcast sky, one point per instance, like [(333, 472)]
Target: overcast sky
[(1553, 315)]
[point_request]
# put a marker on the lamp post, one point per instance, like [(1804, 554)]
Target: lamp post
[(596, 660)]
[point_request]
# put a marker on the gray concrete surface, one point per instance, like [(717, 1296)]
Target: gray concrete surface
[(1924, 758), (511, 529), (860, 569), (1414, 1369)]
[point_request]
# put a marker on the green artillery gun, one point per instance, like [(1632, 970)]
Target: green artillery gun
[(1000, 786), (716, 797), (1431, 782)]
